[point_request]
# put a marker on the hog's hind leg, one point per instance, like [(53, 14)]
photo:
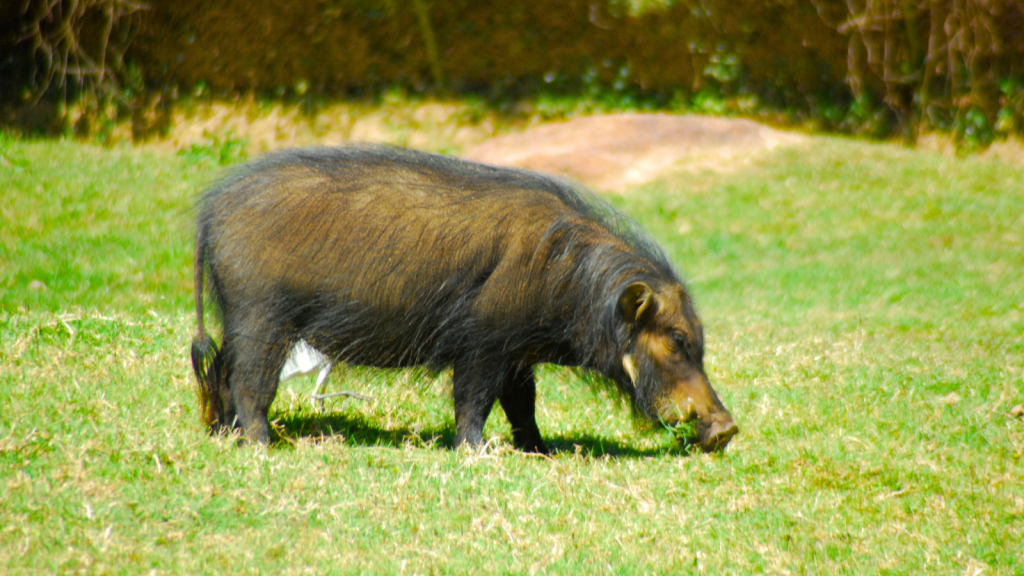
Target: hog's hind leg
[(226, 418), (475, 388), (259, 353)]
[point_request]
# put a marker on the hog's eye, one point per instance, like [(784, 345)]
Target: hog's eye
[(679, 343), (689, 347), (674, 345)]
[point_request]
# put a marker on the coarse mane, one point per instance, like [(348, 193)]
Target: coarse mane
[(464, 175)]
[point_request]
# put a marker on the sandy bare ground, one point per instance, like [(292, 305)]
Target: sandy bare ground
[(613, 152), (609, 152), (618, 151)]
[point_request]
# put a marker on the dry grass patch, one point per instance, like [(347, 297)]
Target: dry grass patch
[(435, 125)]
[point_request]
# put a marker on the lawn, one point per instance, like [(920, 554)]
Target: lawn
[(864, 310)]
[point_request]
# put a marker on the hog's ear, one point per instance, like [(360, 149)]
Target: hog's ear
[(635, 300)]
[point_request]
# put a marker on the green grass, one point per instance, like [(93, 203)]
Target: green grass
[(864, 307)]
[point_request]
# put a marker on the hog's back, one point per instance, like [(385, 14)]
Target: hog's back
[(388, 250)]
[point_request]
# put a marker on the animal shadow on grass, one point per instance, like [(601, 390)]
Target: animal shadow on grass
[(356, 431), (359, 431)]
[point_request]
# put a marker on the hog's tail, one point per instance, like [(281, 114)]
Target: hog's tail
[(206, 360)]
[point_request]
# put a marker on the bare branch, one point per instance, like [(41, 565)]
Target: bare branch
[(55, 30)]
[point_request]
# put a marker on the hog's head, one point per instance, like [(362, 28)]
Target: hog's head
[(663, 361)]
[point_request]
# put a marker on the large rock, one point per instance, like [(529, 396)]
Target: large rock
[(615, 152)]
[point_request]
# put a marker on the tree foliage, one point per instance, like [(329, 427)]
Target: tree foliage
[(871, 66)]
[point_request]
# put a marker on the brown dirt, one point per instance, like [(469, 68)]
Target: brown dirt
[(619, 151)]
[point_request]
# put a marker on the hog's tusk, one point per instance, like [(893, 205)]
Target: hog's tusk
[(691, 409), (629, 367)]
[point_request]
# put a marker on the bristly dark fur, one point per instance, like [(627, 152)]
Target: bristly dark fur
[(389, 257), (361, 160)]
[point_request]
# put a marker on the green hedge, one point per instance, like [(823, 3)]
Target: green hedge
[(345, 46), (879, 66)]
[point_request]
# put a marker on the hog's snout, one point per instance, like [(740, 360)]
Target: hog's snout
[(718, 434), (715, 426)]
